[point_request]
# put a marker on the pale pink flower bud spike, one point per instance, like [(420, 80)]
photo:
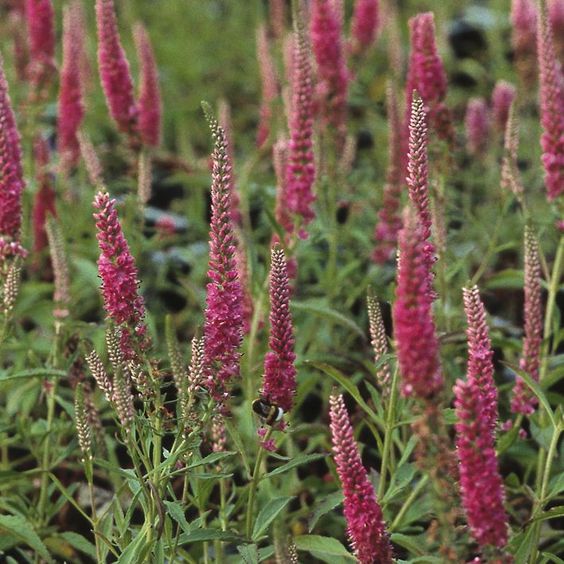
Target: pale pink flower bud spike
[(477, 124), (114, 69), (414, 328), (365, 524), (523, 400), (389, 216), (379, 342), (551, 84), (510, 175), (149, 102), (480, 354), (223, 325), (70, 104)]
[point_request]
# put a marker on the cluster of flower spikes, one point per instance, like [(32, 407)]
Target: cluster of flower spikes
[(223, 326), (11, 176), (365, 524), (120, 283)]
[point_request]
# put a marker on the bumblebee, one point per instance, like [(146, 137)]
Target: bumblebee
[(269, 412)]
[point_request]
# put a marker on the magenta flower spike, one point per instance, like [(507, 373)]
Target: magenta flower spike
[(414, 328), (426, 74), (11, 179), (44, 200), (300, 168), (477, 124), (365, 524), (480, 482), (389, 217), (149, 102), (524, 38), (523, 400), (269, 82), (502, 97), (41, 31), (120, 282), (223, 326), (71, 107), (556, 18), (114, 68), (551, 81), (365, 24), (327, 43), (279, 380), (480, 354)]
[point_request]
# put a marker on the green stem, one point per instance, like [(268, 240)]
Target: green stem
[(407, 503), (387, 448), (253, 486), (43, 492)]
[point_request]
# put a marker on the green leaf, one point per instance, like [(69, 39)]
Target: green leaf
[(203, 535), (249, 553), (22, 530), (210, 459), (267, 514), (325, 546), (297, 461), (415, 544), (348, 385), (80, 543), (174, 509), (32, 373), (536, 389), (550, 514), (507, 439), (330, 314), (556, 485), (236, 438), (133, 552), (508, 278), (323, 507)]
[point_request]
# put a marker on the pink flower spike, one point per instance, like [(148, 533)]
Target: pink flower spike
[(41, 31), (365, 24), (279, 380), (114, 68), (389, 218), (551, 110), (524, 401), (365, 523), (524, 38), (480, 354), (556, 18), (477, 123), (502, 97), (149, 103), (426, 74), (300, 168), (327, 42), (414, 328), (120, 283), (223, 324), (269, 82), (44, 200), (11, 179), (480, 482), (71, 107)]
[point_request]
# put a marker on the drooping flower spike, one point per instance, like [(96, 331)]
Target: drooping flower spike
[(480, 482), (223, 324), (523, 400), (149, 101), (414, 328), (480, 354), (114, 68), (551, 86), (120, 283), (365, 524), (70, 106), (279, 380)]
